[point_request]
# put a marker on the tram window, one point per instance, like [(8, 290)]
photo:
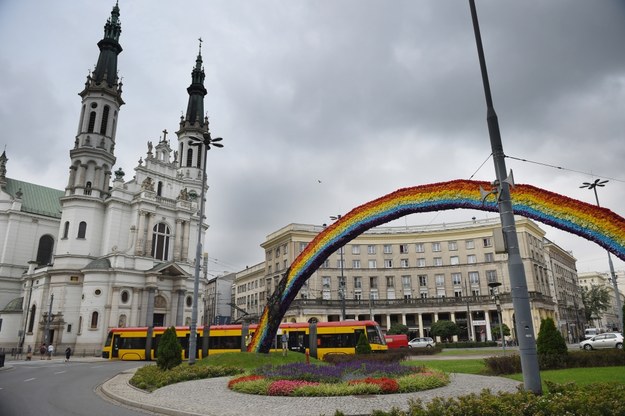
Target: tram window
[(133, 343)]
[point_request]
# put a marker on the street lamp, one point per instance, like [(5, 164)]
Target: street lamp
[(619, 310), (495, 288), (341, 278), (205, 141)]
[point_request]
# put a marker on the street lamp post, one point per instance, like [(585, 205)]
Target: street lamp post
[(341, 278), (516, 270), (495, 287), (619, 311), (205, 141)]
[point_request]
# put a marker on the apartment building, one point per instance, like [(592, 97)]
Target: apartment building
[(609, 318), (413, 275)]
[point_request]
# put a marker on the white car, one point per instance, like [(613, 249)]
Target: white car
[(426, 342), (607, 340)]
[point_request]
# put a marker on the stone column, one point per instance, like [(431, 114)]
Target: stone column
[(139, 246), (489, 335), (403, 319), (453, 319), (114, 320), (180, 308), (149, 313), (420, 319), (134, 308), (185, 240), (178, 240), (147, 249)]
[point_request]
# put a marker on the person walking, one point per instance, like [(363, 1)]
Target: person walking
[(42, 351), (68, 353), (50, 351), (29, 353), (285, 343)]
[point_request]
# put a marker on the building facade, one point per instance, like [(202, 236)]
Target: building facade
[(607, 321), (413, 276), (106, 251)]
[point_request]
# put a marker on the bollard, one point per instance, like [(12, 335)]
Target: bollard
[(307, 357)]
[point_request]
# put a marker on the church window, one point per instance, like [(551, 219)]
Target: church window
[(199, 158), (87, 188), (31, 319), (94, 320), (160, 241), (189, 301), (82, 229), (105, 119), (91, 122), (189, 157), (159, 189), (44, 252), (65, 229), (125, 296)]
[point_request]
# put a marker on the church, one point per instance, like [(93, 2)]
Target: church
[(105, 251)]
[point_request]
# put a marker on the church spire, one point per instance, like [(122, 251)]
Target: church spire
[(195, 107), (106, 68)]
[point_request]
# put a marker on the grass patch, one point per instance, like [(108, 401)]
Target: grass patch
[(471, 351), (466, 366), (579, 376), (251, 360)]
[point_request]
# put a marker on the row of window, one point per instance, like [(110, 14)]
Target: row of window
[(404, 263), (82, 230), (405, 248), (406, 281)]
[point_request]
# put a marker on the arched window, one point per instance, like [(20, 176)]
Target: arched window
[(65, 229), (31, 319), (159, 189), (160, 241), (122, 321), (82, 229), (44, 252), (105, 119), (199, 157), (91, 122), (87, 188), (180, 156), (189, 157), (94, 320)]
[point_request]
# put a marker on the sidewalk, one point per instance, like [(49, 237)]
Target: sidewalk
[(211, 397)]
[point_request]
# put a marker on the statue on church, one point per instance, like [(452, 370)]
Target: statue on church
[(147, 184), (184, 195)]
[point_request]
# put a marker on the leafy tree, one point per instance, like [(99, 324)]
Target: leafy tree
[(550, 340), (496, 332), (596, 300), (444, 329), (397, 329), (363, 346), (169, 351)]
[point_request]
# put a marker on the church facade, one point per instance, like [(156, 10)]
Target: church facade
[(105, 251)]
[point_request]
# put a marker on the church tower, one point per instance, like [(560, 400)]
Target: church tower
[(92, 156)]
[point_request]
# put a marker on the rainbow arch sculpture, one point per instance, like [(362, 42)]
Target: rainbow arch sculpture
[(591, 222)]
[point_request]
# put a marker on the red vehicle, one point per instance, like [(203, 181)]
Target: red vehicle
[(396, 341)]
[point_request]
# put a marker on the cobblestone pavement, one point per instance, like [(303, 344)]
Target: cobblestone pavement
[(211, 397)]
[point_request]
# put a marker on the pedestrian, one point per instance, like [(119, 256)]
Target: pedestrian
[(42, 351), (29, 353), (50, 351), (68, 353), (285, 343)]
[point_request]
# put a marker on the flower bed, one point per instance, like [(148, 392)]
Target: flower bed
[(350, 378)]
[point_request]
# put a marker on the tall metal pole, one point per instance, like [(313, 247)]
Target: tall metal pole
[(619, 308), (342, 285), (518, 283), (46, 338), (206, 141)]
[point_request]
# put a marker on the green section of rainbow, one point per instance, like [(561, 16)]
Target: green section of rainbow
[(588, 221)]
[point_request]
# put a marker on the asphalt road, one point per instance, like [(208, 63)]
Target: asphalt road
[(56, 388)]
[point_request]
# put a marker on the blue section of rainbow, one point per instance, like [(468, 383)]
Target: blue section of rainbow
[(591, 222)]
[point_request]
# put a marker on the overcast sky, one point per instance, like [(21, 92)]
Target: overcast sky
[(326, 105)]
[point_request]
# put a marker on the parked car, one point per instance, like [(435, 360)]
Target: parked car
[(426, 342), (607, 340), (396, 341)]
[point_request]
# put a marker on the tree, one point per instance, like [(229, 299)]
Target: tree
[(444, 329), (397, 329), (169, 351), (550, 340), (596, 300), (496, 332), (363, 346)]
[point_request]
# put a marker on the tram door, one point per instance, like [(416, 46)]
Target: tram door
[(298, 341)]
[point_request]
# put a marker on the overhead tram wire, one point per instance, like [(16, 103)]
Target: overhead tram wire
[(594, 175)]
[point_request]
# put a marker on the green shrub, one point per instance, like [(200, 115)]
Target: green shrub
[(169, 352), (420, 382), (363, 346), (396, 329), (151, 377), (550, 340), (598, 399), (388, 357)]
